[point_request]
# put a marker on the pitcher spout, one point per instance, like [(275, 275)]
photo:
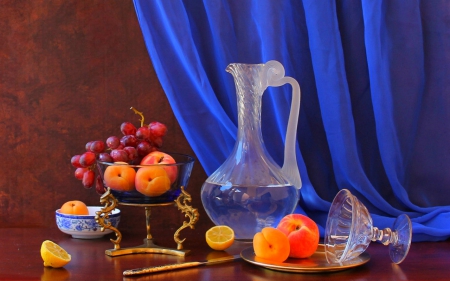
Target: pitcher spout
[(248, 77)]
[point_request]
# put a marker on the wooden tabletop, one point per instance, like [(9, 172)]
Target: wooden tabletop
[(20, 260)]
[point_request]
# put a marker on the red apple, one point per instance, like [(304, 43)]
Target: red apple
[(120, 177), (158, 157), (152, 181), (303, 235)]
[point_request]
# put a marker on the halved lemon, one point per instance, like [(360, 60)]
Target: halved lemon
[(220, 237), (53, 255)]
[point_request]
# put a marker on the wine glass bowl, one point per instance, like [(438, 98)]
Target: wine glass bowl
[(183, 167), (349, 231)]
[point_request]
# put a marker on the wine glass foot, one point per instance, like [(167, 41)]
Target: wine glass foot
[(399, 250)]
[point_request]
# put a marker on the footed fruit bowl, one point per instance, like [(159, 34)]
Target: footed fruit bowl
[(131, 170), (85, 226), (157, 179)]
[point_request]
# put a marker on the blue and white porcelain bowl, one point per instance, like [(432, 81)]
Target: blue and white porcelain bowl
[(85, 227)]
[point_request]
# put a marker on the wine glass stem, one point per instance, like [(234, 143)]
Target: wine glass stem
[(385, 236)]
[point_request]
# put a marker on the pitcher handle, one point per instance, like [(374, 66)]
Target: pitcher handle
[(275, 78)]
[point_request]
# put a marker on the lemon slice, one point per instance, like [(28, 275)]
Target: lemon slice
[(53, 255), (220, 237)]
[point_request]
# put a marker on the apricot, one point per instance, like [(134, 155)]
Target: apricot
[(152, 181), (74, 207), (302, 233), (120, 177), (271, 244)]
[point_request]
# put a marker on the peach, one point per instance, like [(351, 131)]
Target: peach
[(271, 244), (158, 157), (152, 181), (302, 233), (120, 177), (74, 207)]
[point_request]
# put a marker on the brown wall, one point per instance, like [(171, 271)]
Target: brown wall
[(69, 72)]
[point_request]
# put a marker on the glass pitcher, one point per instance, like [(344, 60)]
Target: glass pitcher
[(249, 191)]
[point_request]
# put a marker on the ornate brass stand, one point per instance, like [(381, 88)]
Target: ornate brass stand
[(110, 203)]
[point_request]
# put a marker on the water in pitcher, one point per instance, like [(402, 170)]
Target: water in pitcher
[(248, 209)]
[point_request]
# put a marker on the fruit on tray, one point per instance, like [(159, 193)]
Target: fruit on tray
[(74, 207), (152, 181), (134, 145), (302, 233), (158, 157), (54, 255), (120, 177), (271, 244), (220, 237)]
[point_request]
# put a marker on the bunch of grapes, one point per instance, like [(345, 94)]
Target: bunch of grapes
[(129, 148)]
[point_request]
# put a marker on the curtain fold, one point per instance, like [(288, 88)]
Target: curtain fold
[(375, 94)]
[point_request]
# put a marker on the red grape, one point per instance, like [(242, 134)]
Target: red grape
[(132, 152), (143, 148), (87, 159), (79, 173), (157, 129), (129, 140), (136, 161), (105, 157), (119, 155), (113, 142), (157, 141), (75, 160), (99, 187), (143, 133), (127, 128), (97, 146), (88, 179), (130, 148), (88, 146)]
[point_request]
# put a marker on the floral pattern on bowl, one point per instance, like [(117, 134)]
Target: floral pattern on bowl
[(85, 227)]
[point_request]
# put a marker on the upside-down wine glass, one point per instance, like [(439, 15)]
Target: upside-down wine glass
[(349, 231)]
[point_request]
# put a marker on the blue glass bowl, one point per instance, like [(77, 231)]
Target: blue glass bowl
[(85, 227), (183, 167)]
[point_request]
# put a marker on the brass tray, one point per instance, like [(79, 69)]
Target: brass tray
[(314, 264)]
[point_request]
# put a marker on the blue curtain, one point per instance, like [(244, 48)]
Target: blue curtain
[(375, 109)]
